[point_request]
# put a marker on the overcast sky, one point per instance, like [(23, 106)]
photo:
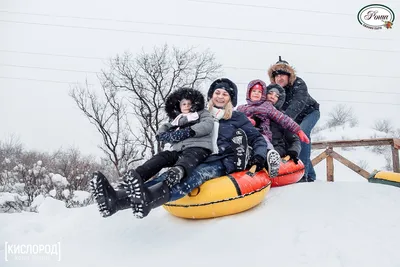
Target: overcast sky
[(48, 45)]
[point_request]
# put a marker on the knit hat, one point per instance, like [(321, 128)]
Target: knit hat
[(257, 86), (276, 91), (280, 91), (227, 85)]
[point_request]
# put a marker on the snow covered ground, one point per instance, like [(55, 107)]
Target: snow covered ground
[(349, 222), (314, 224)]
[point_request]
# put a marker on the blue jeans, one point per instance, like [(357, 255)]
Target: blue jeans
[(202, 173), (307, 125)]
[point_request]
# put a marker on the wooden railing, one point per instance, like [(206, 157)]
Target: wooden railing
[(329, 154)]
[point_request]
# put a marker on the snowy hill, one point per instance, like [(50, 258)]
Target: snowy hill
[(349, 222), (314, 224)]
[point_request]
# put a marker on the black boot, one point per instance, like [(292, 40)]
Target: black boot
[(144, 199), (174, 175), (108, 200)]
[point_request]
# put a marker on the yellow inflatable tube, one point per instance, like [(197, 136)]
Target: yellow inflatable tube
[(385, 177), (222, 196)]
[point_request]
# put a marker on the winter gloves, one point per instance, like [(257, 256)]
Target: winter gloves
[(176, 136), (303, 137), (258, 161), (293, 156)]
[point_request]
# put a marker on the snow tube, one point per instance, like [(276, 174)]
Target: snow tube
[(385, 177), (289, 173), (222, 196)]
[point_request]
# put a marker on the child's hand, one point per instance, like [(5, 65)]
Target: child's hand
[(303, 137)]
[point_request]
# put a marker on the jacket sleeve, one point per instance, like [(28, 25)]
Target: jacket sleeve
[(283, 120), (267, 110), (240, 108), (254, 137), (293, 142), (205, 126), (299, 100), (165, 127)]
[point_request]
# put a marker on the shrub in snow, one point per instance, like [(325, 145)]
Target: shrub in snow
[(80, 199), (340, 115), (12, 202)]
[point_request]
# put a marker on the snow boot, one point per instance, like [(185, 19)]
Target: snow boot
[(174, 175), (144, 199), (108, 200), (273, 163)]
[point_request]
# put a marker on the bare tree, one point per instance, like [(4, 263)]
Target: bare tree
[(151, 77), (109, 117), (340, 115), (11, 147), (136, 88)]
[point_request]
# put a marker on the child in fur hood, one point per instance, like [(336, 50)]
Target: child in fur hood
[(260, 110), (189, 132)]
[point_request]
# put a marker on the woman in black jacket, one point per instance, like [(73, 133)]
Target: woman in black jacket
[(143, 196)]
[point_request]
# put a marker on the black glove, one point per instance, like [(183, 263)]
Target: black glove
[(257, 120), (258, 161), (293, 156)]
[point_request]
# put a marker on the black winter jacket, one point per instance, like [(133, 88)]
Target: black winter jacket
[(298, 103), (227, 129)]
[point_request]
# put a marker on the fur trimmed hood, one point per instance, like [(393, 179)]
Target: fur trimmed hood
[(282, 95), (282, 66), (172, 103)]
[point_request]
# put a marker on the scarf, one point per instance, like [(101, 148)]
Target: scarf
[(217, 114), (189, 117)]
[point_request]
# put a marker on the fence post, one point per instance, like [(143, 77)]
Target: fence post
[(329, 166), (395, 158)]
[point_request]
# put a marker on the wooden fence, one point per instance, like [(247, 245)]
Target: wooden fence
[(329, 154)]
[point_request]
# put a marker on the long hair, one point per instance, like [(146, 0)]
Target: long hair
[(228, 109)]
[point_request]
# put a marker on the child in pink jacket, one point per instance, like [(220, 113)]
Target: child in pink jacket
[(260, 111)]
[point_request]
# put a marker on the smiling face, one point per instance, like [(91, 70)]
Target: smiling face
[(255, 94), (282, 79), (185, 106), (220, 98), (272, 97)]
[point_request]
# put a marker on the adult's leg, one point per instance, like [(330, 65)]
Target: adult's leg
[(189, 159), (154, 193), (203, 172), (307, 125)]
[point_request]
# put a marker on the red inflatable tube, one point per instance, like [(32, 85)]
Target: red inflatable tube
[(289, 173)]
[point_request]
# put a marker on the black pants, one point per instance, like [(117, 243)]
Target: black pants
[(188, 158)]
